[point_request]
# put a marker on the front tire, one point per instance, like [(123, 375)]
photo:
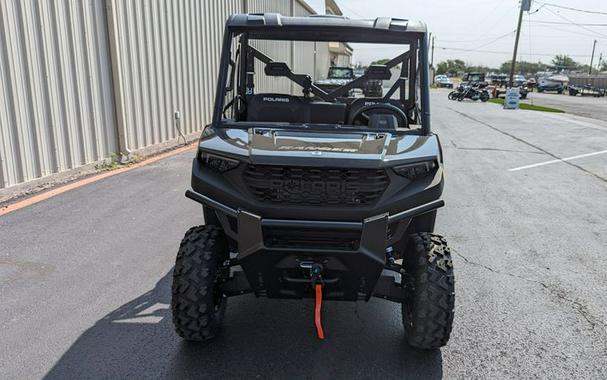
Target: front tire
[(197, 302), (430, 293)]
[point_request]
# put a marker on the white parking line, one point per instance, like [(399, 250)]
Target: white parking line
[(555, 161)]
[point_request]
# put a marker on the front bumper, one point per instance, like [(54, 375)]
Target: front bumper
[(274, 255), (230, 188)]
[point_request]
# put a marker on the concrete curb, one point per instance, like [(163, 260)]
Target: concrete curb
[(56, 190)]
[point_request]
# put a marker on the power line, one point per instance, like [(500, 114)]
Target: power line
[(492, 41), (486, 19), (563, 23), (567, 31), (574, 23), (469, 41), (573, 9), (558, 36), (506, 52)]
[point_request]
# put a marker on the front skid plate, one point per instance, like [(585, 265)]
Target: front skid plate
[(277, 273)]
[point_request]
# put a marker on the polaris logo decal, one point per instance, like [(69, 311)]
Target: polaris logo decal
[(275, 99), (317, 148), (317, 188)]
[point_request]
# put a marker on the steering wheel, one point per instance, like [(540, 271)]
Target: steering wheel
[(363, 115)]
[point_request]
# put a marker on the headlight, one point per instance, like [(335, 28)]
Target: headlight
[(217, 163), (416, 170)]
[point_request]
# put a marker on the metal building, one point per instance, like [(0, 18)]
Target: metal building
[(83, 80)]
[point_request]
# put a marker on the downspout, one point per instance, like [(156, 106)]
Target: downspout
[(292, 11), (118, 92)]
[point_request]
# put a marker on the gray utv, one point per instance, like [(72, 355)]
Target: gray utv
[(313, 194)]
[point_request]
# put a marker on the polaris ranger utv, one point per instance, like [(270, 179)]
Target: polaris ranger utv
[(313, 194)]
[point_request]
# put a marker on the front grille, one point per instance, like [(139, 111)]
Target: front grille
[(285, 237), (316, 186)]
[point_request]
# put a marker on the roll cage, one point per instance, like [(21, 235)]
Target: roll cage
[(413, 63)]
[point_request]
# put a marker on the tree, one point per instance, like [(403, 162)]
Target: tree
[(479, 69), (523, 67), (584, 69), (603, 66), (451, 67), (564, 62)]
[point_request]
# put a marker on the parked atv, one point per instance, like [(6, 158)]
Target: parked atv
[(319, 196)]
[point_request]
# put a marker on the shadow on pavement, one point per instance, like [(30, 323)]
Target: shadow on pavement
[(261, 338)]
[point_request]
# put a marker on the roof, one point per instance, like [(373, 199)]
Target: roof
[(325, 28), (332, 6)]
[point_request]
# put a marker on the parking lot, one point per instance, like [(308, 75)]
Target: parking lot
[(86, 275), (586, 106)]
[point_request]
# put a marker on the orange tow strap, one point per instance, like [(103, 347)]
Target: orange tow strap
[(317, 321)]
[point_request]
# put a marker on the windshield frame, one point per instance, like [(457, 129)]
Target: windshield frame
[(417, 39)]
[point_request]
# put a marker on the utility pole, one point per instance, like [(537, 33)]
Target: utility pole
[(525, 4), (598, 67), (592, 57)]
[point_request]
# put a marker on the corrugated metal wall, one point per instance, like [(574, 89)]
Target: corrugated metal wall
[(278, 51), (56, 107), (304, 55), (169, 57), (60, 74), (595, 80)]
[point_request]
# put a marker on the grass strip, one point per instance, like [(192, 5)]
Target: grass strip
[(527, 106)]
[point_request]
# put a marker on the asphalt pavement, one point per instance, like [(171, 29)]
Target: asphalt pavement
[(586, 106), (85, 276)]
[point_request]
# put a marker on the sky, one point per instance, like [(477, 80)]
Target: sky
[(482, 32)]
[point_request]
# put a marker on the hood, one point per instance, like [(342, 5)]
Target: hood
[(267, 146)]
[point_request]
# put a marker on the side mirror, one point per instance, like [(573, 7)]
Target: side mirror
[(277, 69), (380, 72)]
